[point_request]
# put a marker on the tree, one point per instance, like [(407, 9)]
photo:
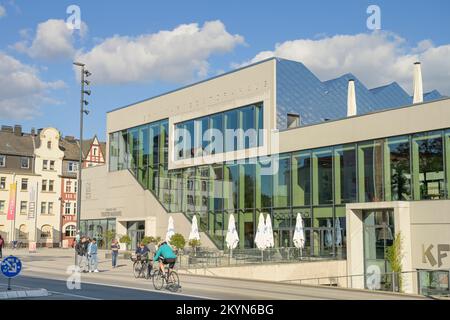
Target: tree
[(109, 236), (178, 241), (394, 255)]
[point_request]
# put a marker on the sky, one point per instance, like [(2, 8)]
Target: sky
[(139, 49)]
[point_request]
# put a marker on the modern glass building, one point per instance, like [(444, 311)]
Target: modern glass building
[(293, 150)]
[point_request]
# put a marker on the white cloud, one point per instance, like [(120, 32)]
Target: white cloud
[(53, 40), (2, 11), (176, 55), (376, 59), (21, 90)]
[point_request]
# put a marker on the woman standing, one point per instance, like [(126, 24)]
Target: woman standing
[(114, 252)]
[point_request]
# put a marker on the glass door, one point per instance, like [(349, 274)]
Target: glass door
[(378, 237)]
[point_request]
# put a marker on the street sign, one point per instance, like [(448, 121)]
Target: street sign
[(11, 266)]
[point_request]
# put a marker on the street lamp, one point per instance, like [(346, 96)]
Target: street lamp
[(83, 102)]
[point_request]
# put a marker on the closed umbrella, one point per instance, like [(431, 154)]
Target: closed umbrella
[(260, 238), (269, 233), (232, 237), (299, 233), (328, 236), (170, 229), (337, 225), (194, 234)]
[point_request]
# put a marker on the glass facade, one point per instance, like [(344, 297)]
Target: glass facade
[(232, 130), (316, 183), (101, 229)]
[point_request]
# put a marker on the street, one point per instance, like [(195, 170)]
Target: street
[(48, 269)]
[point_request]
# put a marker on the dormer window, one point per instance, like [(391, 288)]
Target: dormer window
[(49, 144), (24, 163)]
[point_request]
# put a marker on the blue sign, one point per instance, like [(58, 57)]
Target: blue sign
[(11, 266)]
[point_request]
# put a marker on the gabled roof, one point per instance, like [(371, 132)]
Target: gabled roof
[(12, 144)]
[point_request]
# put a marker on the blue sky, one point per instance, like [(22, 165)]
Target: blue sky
[(164, 45)]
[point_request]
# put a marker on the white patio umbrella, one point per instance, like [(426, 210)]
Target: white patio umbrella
[(269, 233), (232, 237), (260, 237), (299, 234), (328, 236), (194, 234), (170, 229), (337, 225)]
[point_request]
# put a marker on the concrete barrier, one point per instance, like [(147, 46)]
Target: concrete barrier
[(277, 272)]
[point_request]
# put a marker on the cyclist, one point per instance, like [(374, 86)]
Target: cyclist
[(165, 255), (142, 251)]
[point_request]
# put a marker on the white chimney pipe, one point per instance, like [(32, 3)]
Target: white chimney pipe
[(351, 99), (418, 88)]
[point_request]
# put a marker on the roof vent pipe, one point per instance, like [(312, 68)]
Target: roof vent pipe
[(418, 89), (351, 98)]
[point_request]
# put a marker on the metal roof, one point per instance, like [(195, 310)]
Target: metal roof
[(300, 91)]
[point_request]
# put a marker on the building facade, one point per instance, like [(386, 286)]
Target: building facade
[(38, 183), (358, 180)]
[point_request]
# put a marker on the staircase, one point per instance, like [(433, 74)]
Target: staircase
[(182, 222)]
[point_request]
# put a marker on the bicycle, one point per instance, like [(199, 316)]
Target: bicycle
[(171, 279), (141, 267)]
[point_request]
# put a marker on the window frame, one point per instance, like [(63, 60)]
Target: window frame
[(21, 163)]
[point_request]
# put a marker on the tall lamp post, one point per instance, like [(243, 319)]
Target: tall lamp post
[(84, 74)]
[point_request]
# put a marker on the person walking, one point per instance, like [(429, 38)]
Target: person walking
[(81, 250), (115, 247), (1, 246), (92, 255)]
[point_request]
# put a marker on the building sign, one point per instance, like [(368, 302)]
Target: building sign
[(435, 256), (111, 212), (12, 202), (32, 202)]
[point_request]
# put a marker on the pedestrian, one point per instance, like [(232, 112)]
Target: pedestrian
[(81, 250), (1, 246), (92, 255), (115, 247)]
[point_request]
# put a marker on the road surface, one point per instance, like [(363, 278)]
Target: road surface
[(48, 269)]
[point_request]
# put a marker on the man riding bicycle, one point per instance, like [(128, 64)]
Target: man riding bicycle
[(165, 255)]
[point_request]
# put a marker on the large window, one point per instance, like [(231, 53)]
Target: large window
[(301, 178), (70, 231), (345, 174), (397, 169), (323, 176), (370, 171), (282, 181), (428, 166), (46, 232), (232, 130)]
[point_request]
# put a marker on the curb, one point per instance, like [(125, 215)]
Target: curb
[(17, 294)]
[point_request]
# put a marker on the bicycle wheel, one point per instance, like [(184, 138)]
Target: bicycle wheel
[(174, 282), (158, 280), (137, 268), (145, 270)]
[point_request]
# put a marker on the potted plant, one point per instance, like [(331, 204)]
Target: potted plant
[(178, 241), (394, 255), (125, 240), (194, 244)]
